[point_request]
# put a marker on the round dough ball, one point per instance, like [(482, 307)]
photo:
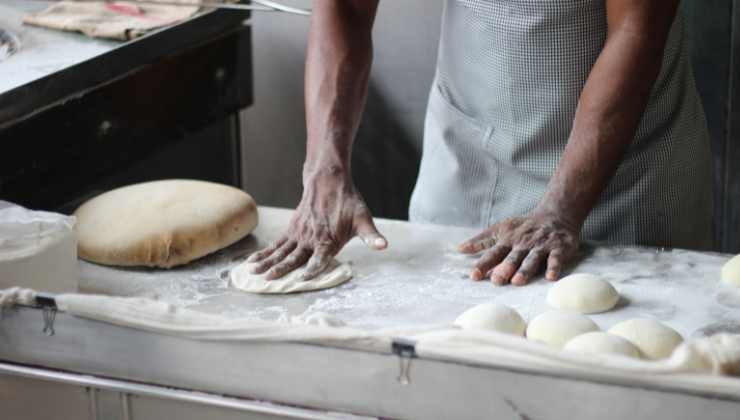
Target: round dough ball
[(584, 293), (599, 342), (731, 271), (655, 340), (492, 316), (555, 328), (163, 223)]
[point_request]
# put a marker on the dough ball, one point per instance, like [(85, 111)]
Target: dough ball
[(655, 340), (731, 271), (334, 275), (163, 223), (584, 293), (492, 316), (599, 342), (555, 328)]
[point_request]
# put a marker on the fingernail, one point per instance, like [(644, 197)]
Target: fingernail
[(476, 275), (518, 280), (380, 242)]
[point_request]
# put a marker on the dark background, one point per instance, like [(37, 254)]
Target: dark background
[(714, 31)]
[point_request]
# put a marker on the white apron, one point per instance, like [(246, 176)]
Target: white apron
[(509, 75)]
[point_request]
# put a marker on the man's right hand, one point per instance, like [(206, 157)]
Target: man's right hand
[(330, 213)]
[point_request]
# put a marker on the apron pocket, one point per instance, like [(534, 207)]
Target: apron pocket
[(457, 175)]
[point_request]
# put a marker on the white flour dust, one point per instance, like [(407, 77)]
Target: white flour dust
[(421, 279)]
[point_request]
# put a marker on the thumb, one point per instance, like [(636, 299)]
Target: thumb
[(366, 230)]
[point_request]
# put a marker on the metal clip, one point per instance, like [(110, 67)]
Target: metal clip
[(49, 315), (49, 312), (406, 350)]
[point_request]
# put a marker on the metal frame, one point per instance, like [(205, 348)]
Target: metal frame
[(330, 378), (126, 389)]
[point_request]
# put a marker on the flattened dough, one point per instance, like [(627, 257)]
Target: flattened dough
[(655, 340), (599, 342), (336, 274), (731, 271), (163, 223), (492, 316), (555, 328), (584, 293)]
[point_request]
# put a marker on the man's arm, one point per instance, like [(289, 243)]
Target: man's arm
[(338, 64), (331, 210), (611, 105), (609, 110)]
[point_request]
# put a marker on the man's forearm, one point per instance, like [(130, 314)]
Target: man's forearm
[(609, 111), (337, 71)]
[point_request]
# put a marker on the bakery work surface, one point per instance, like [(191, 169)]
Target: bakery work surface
[(419, 281)]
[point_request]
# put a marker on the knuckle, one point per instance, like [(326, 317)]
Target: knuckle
[(516, 254), (538, 251), (484, 263), (266, 251), (489, 255), (311, 267)]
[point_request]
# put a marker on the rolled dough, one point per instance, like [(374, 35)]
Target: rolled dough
[(584, 293), (731, 271), (242, 278), (555, 328), (492, 316), (655, 340), (163, 223), (599, 342)]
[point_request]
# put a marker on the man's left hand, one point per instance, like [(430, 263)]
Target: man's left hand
[(516, 248)]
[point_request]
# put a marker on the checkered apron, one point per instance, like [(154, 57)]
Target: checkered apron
[(509, 75)]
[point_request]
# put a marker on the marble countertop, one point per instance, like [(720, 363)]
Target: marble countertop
[(421, 279)]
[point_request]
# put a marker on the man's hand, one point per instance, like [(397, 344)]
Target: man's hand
[(328, 216), (516, 248), (331, 211), (609, 110)]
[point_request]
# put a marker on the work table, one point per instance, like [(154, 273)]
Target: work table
[(421, 279)]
